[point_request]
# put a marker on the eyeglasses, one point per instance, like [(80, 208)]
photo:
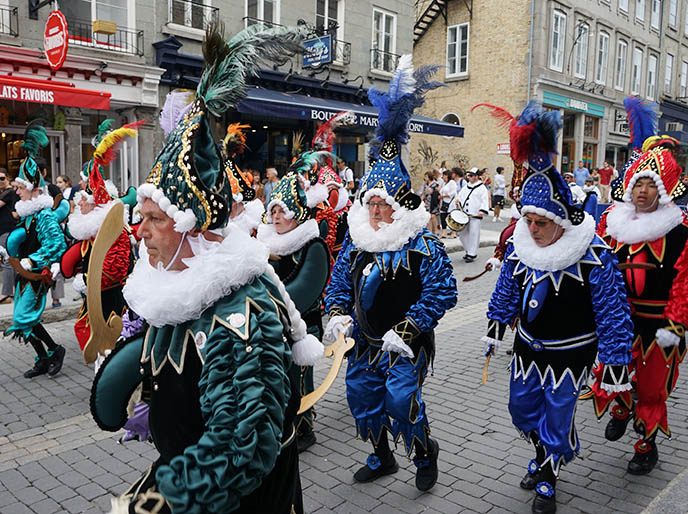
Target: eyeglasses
[(379, 205), (3, 178)]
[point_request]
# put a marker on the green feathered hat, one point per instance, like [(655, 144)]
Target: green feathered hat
[(104, 129), (188, 181), (35, 138), (290, 195)]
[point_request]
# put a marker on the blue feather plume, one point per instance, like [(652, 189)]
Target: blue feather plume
[(642, 119), (406, 93)]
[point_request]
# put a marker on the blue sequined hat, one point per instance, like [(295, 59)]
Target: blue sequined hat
[(544, 190), (388, 177)]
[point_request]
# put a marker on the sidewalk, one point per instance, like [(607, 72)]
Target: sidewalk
[(673, 499)]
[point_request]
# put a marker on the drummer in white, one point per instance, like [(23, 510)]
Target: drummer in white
[(473, 200)]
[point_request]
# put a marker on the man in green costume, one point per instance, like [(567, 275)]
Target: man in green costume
[(216, 351)]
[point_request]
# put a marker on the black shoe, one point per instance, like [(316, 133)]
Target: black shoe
[(56, 360), (368, 474), (645, 459), (544, 505), (305, 441), (616, 427), (530, 480), (468, 258), (426, 475), (40, 367)]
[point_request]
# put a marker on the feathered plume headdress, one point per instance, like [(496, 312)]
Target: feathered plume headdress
[(177, 103), (240, 182), (388, 177), (306, 167), (190, 160), (296, 144), (35, 138), (642, 120), (324, 137), (235, 139)]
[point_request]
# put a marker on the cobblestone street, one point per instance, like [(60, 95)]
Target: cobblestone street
[(54, 459)]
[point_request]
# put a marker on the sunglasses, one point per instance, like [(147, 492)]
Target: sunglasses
[(3, 178)]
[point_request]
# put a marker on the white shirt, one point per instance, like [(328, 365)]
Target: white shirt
[(346, 175), (473, 199), (577, 192), (448, 189), (499, 185)]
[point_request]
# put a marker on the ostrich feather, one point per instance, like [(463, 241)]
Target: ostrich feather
[(324, 137), (235, 140), (503, 116), (642, 120), (35, 138), (106, 150), (177, 103)]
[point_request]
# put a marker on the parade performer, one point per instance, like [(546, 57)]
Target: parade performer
[(247, 210), (216, 353), (33, 248), (92, 205), (648, 233), (473, 199), (555, 263), (392, 283), (302, 261), (338, 195)]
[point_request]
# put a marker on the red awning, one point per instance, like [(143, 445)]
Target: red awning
[(51, 92)]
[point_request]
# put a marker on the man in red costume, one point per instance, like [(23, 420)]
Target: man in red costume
[(648, 233), (92, 205)]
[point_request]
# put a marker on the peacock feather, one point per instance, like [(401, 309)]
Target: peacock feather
[(35, 138)]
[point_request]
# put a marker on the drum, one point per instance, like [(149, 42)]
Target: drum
[(457, 220)]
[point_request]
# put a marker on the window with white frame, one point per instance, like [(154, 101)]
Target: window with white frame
[(81, 13), (621, 56), (685, 23), (651, 77), (556, 58), (623, 5), (195, 14), (266, 11), (640, 10), (602, 58), (329, 19), (684, 79), (636, 71), (654, 13), (581, 51), (457, 50), (673, 12), (382, 56), (668, 72)]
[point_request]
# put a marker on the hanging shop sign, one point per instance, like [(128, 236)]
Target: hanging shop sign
[(56, 39)]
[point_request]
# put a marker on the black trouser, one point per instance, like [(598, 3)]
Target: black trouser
[(40, 340)]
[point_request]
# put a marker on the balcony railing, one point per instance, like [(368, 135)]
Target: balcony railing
[(124, 40), (249, 20), (192, 13), (341, 51), (9, 21), (383, 61)]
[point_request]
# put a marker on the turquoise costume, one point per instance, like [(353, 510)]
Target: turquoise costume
[(216, 352), (37, 243), (301, 259)]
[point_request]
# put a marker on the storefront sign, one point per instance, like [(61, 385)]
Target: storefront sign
[(503, 148), (317, 51), (43, 92), (56, 40), (572, 104)]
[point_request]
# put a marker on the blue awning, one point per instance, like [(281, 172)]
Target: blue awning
[(266, 102)]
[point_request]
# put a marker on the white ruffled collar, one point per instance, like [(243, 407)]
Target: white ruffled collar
[(630, 227), (391, 236), (86, 226), (26, 208), (567, 250), (215, 271), (250, 217), (290, 242)]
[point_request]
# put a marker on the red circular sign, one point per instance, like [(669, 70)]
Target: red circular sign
[(56, 39)]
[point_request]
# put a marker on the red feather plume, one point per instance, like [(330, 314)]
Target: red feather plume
[(503, 116)]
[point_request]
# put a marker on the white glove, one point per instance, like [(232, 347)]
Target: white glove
[(337, 325), (79, 285), (55, 269), (26, 263), (666, 339), (489, 343), (493, 264), (391, 342), (4, 256)]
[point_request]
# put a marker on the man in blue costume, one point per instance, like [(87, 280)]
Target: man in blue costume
[(215, 354), (389, 288), (34, 247), (561, 282)]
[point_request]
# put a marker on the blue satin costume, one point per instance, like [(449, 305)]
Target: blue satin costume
[(38, 237), (565, 318), (407, 291)]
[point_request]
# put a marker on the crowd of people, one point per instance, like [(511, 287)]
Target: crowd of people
[(226, 285)]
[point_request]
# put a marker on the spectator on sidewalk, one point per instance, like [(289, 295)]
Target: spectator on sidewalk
[(8, 197), (606, 175), (448, 195), (347, 175), (498, 194), (431, 196), (580, 174), (576, 190), (272, 179)]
